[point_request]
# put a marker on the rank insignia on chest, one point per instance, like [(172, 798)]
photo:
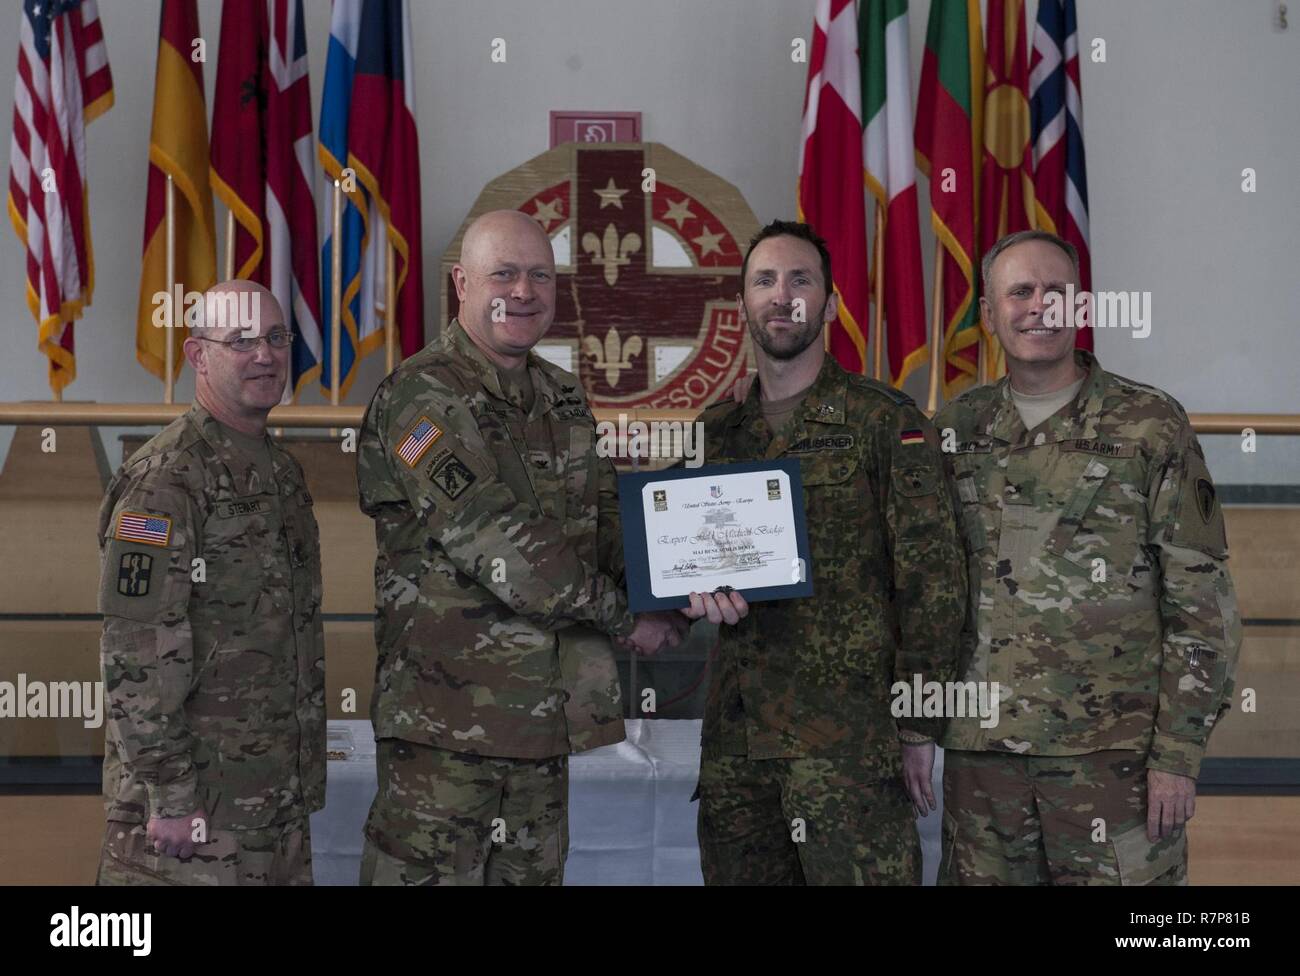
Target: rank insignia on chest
[(133, 574), (453, 476), (913, 435), (418, 440), (152, 530)]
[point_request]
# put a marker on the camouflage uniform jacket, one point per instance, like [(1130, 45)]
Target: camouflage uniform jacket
[(813, 676), (216, 684), (499, 558), (1101, 601)]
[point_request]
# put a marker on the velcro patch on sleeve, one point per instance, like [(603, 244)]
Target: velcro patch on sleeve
[(453, 476), (913, 435), (133, 572), (151, 530), (417, 441)]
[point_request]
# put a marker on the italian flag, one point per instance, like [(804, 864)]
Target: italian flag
[(949, 144), (891, 178), (830, 194)]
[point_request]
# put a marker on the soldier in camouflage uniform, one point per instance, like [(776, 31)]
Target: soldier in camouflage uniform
[(497, 584), (212, 651), (806, 775), (1101, 605)]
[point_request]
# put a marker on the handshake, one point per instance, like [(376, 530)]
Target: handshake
[(664, 629)]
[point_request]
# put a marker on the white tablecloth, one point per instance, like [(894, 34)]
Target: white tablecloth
[(631, 821)]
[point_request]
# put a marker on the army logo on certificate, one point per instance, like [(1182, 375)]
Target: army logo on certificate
[(773, 490), (661, 501)]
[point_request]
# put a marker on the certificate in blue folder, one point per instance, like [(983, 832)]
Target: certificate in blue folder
[(738, 525)]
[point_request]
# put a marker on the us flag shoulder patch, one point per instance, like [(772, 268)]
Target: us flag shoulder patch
[(152, 530), (418, 440), (913, 435)]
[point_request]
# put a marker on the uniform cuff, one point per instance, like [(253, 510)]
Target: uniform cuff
[(1171, 754), (177, 797), (623, 625), (930, 728)]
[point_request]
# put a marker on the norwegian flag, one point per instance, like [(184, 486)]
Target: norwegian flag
[(1056, 130), (63, 84), (262, 162)]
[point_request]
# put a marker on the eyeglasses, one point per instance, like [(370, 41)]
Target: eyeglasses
[(278, 339)]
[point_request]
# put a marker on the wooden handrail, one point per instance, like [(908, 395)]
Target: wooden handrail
[(47, 413)]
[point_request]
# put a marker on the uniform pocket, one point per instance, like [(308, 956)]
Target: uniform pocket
[(1141, 862)]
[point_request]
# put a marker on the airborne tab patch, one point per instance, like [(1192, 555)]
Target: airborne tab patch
[(152, 530), (418, 440)]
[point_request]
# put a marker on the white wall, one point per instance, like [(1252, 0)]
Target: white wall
[(1192, 92)]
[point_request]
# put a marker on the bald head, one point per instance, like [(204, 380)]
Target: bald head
[(505, 282), (238, 374), (237, 306)]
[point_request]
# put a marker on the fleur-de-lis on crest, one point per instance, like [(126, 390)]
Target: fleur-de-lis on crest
[(615, 356), (610, 252)]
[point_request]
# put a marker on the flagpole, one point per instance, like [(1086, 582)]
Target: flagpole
[(390, 312), (878, 321), (336, 295), (169, 353), (230, 244), (936, 328)]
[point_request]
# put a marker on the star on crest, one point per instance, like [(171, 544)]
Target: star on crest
[(708, 242), (610, 195), (547, 213), (679, 211)]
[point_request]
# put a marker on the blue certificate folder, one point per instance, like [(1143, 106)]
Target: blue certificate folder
[(635, 544)]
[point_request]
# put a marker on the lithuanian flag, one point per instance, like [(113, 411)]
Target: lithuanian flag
[(949, 143)]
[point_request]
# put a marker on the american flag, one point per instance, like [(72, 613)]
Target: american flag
[(63, 84), (152, 530), (417, 441), (1056, 130)]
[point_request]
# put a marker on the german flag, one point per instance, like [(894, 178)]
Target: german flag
[(178, 146)]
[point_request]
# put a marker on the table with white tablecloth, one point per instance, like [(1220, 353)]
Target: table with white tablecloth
[(631, 819)]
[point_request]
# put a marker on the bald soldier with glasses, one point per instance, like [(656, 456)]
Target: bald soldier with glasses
[(212, 649)]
